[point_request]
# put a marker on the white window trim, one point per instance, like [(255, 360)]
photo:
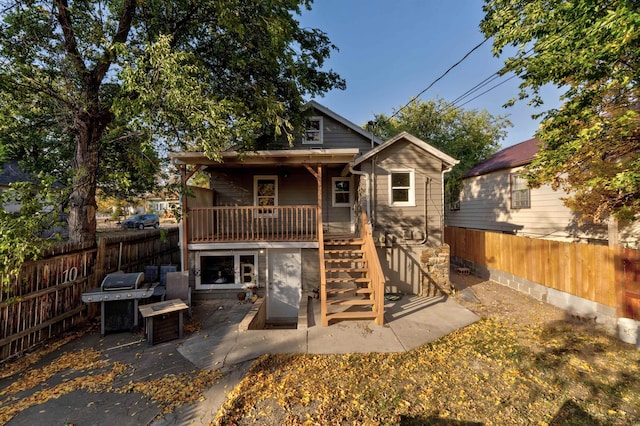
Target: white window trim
[(412, 188), (512, 178), (333, 191), (256, 178), (236, 270), (306, 141)]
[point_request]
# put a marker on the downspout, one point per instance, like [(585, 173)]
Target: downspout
[(427, 182), (443, 204)]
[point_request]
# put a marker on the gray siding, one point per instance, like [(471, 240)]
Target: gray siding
[(234, 187), (400, 221), (334, 219), (296, 186), (336, 135)]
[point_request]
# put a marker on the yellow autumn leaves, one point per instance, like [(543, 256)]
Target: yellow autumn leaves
[(491, 372)]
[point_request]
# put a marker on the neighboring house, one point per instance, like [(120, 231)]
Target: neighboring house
[(289, 219), (11, 173), (495, 197), (162, 206)]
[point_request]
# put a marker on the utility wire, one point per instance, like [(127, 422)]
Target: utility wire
[(466, 55), (496, 75)]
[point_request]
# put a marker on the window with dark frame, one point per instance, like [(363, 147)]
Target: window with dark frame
[(228, 270), (313, 131)]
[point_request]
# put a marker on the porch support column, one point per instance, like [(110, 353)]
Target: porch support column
[(323, 275), (185, 175)]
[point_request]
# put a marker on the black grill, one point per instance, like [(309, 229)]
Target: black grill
[(114, 282), (119, 295)]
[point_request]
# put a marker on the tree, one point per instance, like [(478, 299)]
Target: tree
[(103, 88), (591, 48), (469, 136)]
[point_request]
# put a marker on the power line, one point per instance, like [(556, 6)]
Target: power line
[(466, 55), (497, 75)]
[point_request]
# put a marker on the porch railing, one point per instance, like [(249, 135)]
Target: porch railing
[(251, 223)]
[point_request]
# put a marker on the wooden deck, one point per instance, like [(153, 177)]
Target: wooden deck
[(250, 223)]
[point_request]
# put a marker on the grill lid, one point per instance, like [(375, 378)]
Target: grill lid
[(118, 281)]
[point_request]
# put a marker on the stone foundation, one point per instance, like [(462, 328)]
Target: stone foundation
[(435, 263)]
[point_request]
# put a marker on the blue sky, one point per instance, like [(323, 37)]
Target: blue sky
[(392, 50)]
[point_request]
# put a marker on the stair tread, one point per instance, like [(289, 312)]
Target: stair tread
[(343, 251), (351, 302), (346, 270), (349, 290), (346, 259), (347, 280), (349, 242)]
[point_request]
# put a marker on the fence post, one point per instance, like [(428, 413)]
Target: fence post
[(100, 261)]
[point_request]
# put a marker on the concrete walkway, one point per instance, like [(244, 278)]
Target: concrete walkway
[(409, 323)]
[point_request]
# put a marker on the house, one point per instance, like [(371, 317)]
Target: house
[(340, 213), (12, 173), (495, 197)]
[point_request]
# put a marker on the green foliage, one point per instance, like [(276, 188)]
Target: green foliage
[(469, 136), (96, 93), (592, 49), (28, 213)]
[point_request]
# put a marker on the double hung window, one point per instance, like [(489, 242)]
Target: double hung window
[(402, 187), (520, 192)]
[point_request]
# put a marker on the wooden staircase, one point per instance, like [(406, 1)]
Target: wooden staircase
[(353, 289)]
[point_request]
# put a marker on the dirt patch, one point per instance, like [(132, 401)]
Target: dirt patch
[(494, 300)]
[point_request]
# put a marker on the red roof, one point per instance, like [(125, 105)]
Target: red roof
[(513, 156)]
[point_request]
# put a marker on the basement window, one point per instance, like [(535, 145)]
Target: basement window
[(226, 270)]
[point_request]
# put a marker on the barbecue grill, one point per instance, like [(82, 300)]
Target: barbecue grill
[(119, 295)]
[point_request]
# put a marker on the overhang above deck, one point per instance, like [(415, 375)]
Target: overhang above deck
[(274, 157)]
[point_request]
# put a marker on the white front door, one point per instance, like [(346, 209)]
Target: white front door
[(284, 287)]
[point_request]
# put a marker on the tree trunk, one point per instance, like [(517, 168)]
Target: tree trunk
[(82, 202)]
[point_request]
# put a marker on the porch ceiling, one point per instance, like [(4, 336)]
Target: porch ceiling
[(275, 157)]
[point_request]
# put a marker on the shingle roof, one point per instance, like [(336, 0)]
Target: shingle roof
[(10, 172), (513, 156)]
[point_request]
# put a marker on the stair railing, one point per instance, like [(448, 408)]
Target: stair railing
[(375, 269)]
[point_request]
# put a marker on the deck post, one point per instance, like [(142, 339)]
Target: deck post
[(323, 274)]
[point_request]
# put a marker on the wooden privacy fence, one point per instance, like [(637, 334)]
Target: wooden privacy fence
[(596, 273), (45, 300)]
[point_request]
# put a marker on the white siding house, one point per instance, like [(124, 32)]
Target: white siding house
[(495, 198)]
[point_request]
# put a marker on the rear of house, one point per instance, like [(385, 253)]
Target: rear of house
[(263, 222)]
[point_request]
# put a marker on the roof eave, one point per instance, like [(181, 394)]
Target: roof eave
[(269, 157)]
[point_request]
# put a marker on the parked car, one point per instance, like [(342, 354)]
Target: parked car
[(141, 221)]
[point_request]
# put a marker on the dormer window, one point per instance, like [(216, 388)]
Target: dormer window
[(313, 131)]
